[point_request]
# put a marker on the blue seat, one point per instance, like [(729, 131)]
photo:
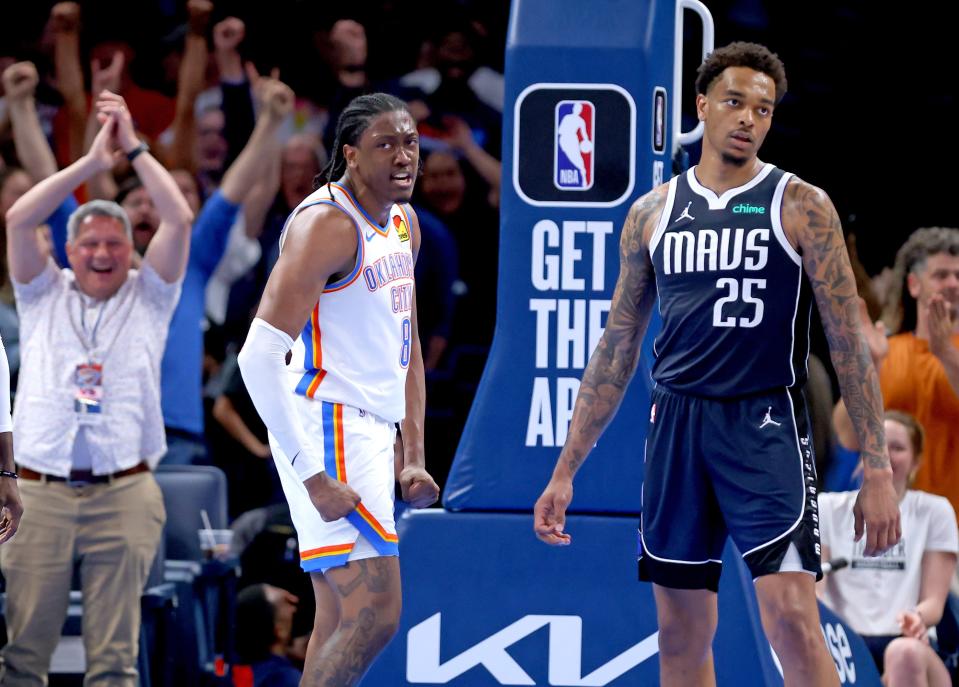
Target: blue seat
[(205, 589), (188, 490)]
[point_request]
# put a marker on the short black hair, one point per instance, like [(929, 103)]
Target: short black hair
[(126, 187), (353, 121), (255, 618), (742, 54)]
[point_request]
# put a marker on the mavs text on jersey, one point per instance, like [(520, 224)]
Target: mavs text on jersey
[(734, 299)]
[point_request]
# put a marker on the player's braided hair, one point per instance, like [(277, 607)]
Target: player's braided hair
[(353, 121), (742, 54), (900, 314)]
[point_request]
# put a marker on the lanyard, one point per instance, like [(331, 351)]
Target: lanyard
[(96, 325), (90, 344)]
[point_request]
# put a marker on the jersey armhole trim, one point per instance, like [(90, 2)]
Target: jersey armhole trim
[(776, 212), (664, 217), (360, 249)]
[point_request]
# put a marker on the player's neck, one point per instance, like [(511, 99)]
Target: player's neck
[(377, 208), (719, 176)]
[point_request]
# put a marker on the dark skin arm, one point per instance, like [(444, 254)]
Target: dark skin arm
[(812, 224), (418, 488), (10, 506), (610, 367)]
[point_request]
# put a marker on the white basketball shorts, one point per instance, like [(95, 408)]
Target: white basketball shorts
[(357, 449)]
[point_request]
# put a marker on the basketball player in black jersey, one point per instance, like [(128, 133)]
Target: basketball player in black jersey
[(736, 251)]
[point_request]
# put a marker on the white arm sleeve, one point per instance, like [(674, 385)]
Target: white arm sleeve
[(6, 423), (263, 366)]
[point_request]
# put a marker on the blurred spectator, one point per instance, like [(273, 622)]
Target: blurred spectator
[(151, 111), (20, 81), (265, 541), (244, 454), (463, 208), (182, 362), (264, 620), (299, 164), (347, 54), (919, 365), (895, 599), (437, 278), (88, 438), (456, 84)]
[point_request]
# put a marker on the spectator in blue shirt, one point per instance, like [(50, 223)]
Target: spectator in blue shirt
[(181, 370)]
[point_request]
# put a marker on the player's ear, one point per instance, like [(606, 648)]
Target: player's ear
[(701, 107), (349, 152)]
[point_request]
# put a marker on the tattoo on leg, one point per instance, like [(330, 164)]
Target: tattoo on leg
[(372, 573), (360, 637)]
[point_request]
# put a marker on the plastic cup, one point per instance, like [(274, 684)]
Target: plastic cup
[(215, 543)]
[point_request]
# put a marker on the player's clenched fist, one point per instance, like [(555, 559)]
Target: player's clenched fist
[(332, 499)]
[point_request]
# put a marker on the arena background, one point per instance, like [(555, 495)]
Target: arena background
[(869, 117)]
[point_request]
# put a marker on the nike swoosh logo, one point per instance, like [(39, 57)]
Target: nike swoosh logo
[(295, 457), (369, 237)]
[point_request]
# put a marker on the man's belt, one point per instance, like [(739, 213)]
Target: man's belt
[(82, 476)]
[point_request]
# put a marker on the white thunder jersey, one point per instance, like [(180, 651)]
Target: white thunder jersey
[(355, 348)]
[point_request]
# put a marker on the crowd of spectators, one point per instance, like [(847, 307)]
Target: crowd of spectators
[(239, 128), (242, 125)]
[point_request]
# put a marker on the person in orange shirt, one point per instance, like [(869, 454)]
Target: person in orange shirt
[(919, 364)]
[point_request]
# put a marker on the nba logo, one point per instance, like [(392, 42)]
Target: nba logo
[(573, 145)]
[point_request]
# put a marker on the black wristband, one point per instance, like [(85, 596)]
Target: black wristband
[(142, 148), (7, 473)]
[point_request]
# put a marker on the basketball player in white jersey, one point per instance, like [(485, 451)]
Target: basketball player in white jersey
[(333, 363)]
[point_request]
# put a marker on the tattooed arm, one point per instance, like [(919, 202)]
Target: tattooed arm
[(811, 221), (610, 367)]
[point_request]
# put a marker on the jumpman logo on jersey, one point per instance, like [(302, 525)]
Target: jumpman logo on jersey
[(685, 213), (768, 420)]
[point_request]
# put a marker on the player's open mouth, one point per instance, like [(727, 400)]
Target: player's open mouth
[(402, 178), (101, 270), (742, 137)]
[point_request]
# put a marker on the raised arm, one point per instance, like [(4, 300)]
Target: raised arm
[(211, 232), (461, 138), (19, 84), (276, 102), (190, 80), (65, 23), (416, 485), (810, 219), (103, 78), (36, 205), (611, 365), (170, 247), (320, 242)]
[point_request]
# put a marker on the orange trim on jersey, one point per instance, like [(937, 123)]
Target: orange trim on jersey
[(317, 342), (377, 527), (339, 444), (349, 197), (335, 550)]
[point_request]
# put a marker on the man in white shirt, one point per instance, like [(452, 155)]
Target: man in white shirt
[(89, 426)]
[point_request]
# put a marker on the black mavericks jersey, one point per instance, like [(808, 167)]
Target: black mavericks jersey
[(734, 299)]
